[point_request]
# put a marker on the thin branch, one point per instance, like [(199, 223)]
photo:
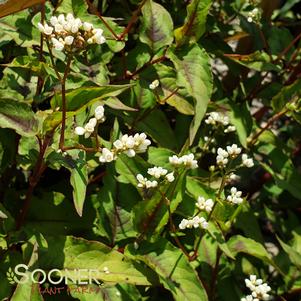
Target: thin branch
[(33, 181), (64, 105), (267, 126), (132, 21)]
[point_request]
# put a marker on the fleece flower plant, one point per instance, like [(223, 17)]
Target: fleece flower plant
[(150, 150)]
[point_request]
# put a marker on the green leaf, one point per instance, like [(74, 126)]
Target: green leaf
[(293, 255), (113, 204), (159, 156), (129, 168), (151, 215), (241, 244), (218, 236), (157, 126), (19, 117), (241, 118), (79, 179), (258, 61), (195, 22), (2, 215), (175, 272), (174, 95), (80, 98), (193, 73), (285, 95), (77, 253), (156, 27), (19, 27)]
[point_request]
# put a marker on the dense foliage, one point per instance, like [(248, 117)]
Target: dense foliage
[(157, 142)]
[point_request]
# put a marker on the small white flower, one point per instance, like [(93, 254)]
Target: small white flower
[(69, 40), (248, 162), (195, 222), (215, 118), (79, 131), (118, 145), (259, 290), (106, 270), (106, 156), (58, 28), (61, 19), (154, 84), (90, 127), (248, 298), (235, 197), (99, 112), (69, 17), (99, 39), (170, 177), (233, 177), (54, 20), (222, 157), (230, 128), (204, 204), (58, 45), (250, 19), (145, 183), (87, 26), (157, 172), (130, 153), (233, 150), (189, 162), (174, 160), (46, 29)]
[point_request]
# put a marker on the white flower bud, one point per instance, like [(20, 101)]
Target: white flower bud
[(79, 131), (87, 26), (69, 40), (170, 177)]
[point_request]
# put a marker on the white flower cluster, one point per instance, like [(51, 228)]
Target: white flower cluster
[(154, 84), (247, 162), (194, 222), (145, 183), (232, 152), (187, 160), (129, 145), (253, 15), (235, 196), (259, 289), (157, 172), (70, 33), (216, 118), (204, 204), (89, 128)]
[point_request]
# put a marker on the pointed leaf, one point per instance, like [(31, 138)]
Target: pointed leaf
[(82, 97), (173, 268), (79, 180), (157, 26), (195, 22), (76, 253), (19, 117), (193, 70)]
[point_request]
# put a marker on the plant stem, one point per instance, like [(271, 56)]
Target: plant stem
[(33, 181), (269, 123), (215, 274), (64, 106), (221, 188)]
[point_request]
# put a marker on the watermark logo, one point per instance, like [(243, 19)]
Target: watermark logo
[(22, 274), (11, 277)]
